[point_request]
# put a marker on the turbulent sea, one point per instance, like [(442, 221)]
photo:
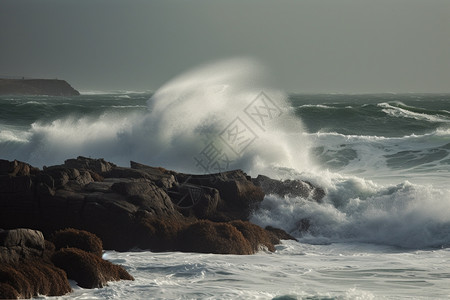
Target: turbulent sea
[(381, 232)]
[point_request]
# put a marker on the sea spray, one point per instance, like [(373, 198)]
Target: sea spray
[(210, 105)]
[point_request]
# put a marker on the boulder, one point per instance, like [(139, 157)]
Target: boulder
[(238, 195), (81, 239), (32, 278), (258, 238), (197, 201), (87, 269), (213, 237), (146, 196), (289, 188), (158, 234), (20, 244), (25, 271)]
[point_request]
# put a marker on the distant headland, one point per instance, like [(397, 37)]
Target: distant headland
[(50, 87)]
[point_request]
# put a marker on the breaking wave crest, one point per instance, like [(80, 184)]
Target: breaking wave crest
[(226, 116)]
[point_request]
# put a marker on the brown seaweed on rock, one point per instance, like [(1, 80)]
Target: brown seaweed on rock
[(80, 239), (87, 269), (213, 237)]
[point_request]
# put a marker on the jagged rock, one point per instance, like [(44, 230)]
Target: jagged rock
[(16, 168), (238, 195), (280, 234), (193, 200), (95, 165), (141, 206), (290, 188), (161, 176)]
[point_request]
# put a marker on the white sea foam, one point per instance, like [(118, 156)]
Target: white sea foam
[(404, 113), (385, 157), (354, 209), (295, 271), (320, 106)]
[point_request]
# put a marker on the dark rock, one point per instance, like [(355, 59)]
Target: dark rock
[(16, 168), (148, 173), (280, 234), (238, 195), (81, 239), (20, 244), (146, 196), (303, 225), (7, 291), (193, 200), (290, 188), (98, 166), (95, 176), (142, 206), (161, 176), (87, 269)]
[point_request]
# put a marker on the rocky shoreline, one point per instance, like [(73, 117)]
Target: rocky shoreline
[(138, 207)]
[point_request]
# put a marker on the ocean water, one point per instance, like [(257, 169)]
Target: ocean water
[(381, 232)]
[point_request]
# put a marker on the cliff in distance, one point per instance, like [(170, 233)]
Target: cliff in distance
[(51, 87)]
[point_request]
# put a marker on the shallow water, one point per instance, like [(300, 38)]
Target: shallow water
[(294, 271)]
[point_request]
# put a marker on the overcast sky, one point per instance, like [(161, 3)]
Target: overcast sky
[(344, 46)]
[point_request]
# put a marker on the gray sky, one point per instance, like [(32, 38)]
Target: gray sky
[(352, 46)]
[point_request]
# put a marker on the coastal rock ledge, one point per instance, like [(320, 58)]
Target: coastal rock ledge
[(144, 207)]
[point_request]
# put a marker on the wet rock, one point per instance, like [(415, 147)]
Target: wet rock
[(280, 234), (238, 195), (32, 278), (257, 236), (142, 206), (214, 237), (290, 188), (20, 244), (87, 269), (81, 239)]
